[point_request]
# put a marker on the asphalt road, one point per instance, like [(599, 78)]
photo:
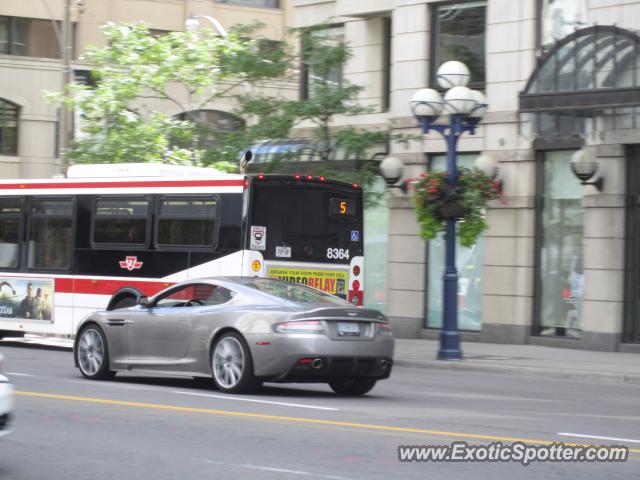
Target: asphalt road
[(137, 427)]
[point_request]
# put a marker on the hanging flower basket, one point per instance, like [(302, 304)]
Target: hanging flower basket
[(436, 202)]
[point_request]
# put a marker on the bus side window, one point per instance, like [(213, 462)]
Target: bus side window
[(186, 222), (10, 227), (120, 221), (50, 233)]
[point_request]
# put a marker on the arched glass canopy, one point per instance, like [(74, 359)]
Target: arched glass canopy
[(590, 80)]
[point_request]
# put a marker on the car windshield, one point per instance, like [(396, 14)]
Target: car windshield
[(294, 292)]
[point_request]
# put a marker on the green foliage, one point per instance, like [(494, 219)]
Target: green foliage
[(435, 200), (137, 111)]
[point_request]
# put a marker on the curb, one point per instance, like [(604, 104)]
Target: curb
[(460, 365)]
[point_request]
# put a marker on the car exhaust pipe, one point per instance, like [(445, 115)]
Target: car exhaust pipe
[(317, 363)]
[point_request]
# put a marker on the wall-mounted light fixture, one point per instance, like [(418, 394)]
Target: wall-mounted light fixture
[(391, 169), (488, 165), (585, 168)]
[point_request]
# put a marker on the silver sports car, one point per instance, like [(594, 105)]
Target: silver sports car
[(240, 332)]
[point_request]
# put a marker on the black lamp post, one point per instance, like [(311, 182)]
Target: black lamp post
[(465, 108)]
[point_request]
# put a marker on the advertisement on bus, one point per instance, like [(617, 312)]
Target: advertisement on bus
[(26, 298), (330, 281)]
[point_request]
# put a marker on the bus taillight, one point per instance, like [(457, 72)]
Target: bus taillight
[(355, 185)]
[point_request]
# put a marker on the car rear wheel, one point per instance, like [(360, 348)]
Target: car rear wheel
[(92, 354), (358, 386), (232, 366)]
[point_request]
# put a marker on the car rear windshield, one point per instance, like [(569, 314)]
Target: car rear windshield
[(296, 293)]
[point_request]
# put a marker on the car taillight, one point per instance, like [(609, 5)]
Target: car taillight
[(383, 329), (309, 326)]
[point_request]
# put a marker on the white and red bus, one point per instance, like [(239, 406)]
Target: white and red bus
[(108, 234)]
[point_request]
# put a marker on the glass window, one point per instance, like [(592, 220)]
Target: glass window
[(30, 37), (559, 18), (295, 292), (196, 296), (561, 268), (253, 3), (121, 221), (469, 262), (459, 34), (10, 223), (314, 77), (187, 221), (50, 233), (210, 123), (8, 128)]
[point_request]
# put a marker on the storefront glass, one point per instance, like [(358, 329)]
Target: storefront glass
[(376, 242), (561, 265), (469, 263)]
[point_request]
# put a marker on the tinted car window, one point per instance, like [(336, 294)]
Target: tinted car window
[(295, 292)]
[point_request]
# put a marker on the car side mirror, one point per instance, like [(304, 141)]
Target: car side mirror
[(143, 301)]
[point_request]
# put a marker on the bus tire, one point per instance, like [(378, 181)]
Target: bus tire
[(232, 366), (92, 354), (358, 386), (125, 302)]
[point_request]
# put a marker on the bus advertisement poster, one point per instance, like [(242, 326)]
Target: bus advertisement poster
[(330, 281), (26, 298)]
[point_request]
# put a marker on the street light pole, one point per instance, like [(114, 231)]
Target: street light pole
[(465, 108), (65, 114)]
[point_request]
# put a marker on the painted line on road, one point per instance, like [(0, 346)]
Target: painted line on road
[(241, 399), (261, 416), (613, 439), (20, 374), (277, 470)]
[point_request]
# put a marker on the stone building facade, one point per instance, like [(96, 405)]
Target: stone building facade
[(559, 263)]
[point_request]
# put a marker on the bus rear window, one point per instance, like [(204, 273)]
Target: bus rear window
[(121, 221), (306, 222), (186, 221)]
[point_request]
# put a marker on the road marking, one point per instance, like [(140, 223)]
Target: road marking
[(613, 439), (311, 421), (20, 374), (241, 399), (278, 470)]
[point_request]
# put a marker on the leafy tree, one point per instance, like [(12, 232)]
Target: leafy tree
[(145, 87)]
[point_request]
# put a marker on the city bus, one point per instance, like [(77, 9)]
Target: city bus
[(107, 234)]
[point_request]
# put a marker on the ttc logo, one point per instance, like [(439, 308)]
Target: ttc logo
[(130, 263)]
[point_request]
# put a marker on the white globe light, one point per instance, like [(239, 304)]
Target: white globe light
[(426, 102), (459, 100), (191, 24), (391, 169), (453, 74), (487, 164), (584, 163), (480, 108)]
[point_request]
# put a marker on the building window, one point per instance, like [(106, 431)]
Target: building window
[(559, 18), (186, 222), (120, 221), (561, 224), (253, 3), (29, 37), (313, 76), (211, 122), (459, 34), (50, 233), (8, 128), (469, 262), (386, 65), (10, 228)]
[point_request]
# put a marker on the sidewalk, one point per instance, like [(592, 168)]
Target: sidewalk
[(532, 360)]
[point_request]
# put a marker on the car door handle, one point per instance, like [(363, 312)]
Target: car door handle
[(117, 322)]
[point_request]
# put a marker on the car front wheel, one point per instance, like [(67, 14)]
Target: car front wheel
[(92, 354), (358, 386), (232, 366)]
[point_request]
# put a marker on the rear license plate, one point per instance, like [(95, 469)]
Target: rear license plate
[(348, 329)]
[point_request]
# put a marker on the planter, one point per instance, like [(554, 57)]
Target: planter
[(450, 210)]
